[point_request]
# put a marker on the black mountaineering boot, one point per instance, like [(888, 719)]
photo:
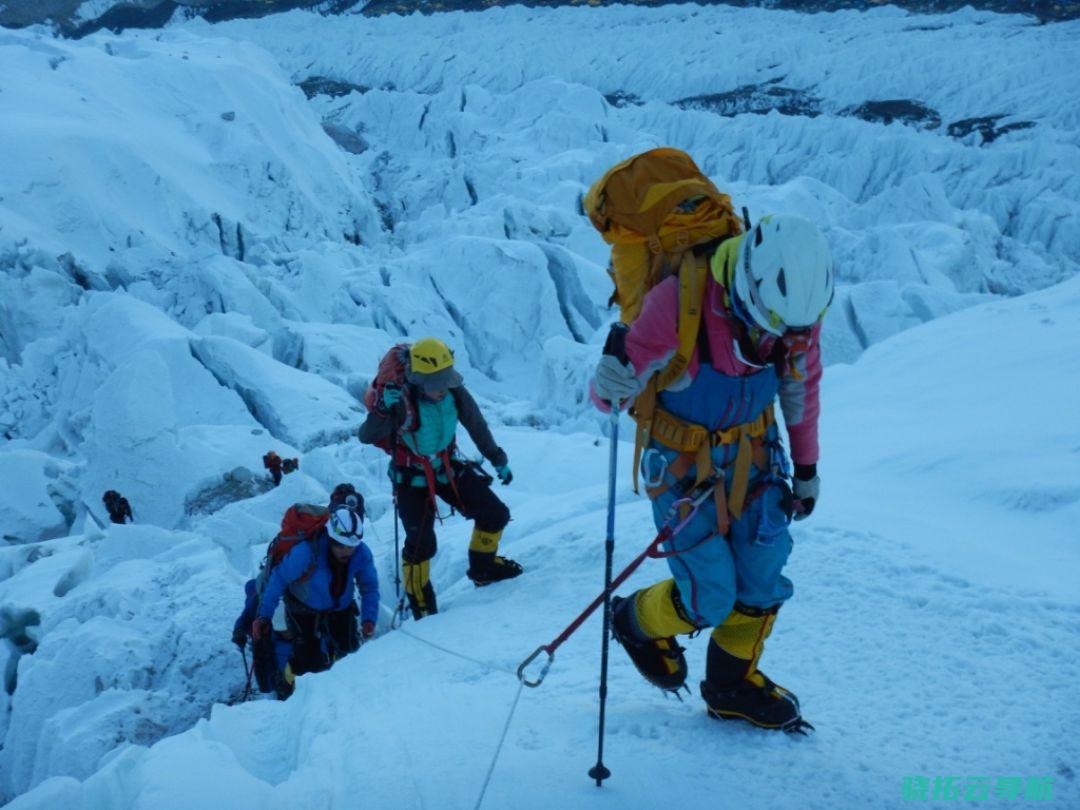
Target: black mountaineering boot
[(486, 567), (757, 700), (659, 660), (735, 689)]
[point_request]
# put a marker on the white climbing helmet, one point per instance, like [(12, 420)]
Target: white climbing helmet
[(345, 526), (784, 275)]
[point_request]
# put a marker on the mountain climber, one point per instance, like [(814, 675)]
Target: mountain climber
[(278, 466), (272, 462), (765, 293), (118, 507), (414, 407), (314, 581), (345, 494)]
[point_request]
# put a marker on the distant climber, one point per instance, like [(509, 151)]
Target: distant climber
[(345, 494), (272, 462), (118, 507), (412, 418), (279, 466)]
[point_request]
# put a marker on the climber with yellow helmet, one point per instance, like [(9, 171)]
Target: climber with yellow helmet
[(414, 406)]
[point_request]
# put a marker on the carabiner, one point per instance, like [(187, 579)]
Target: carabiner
[(653, 479), (543, 648)]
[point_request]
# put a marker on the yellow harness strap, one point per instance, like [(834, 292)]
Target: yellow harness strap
[(692, 275), (695, 444), (723, 516), (643, 411), (742, 477)]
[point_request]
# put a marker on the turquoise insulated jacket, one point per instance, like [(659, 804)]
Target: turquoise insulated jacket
[(438, 425)]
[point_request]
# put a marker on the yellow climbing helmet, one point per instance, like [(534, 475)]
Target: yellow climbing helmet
[(429, 355), (431, 365)]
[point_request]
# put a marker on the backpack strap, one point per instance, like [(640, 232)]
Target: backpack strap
[(313, 541), (643, 410), (693, 272)]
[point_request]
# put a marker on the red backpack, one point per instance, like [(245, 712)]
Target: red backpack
[(391, 371), (301, 523)]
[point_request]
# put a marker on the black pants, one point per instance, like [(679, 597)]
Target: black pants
[(321, 637), (476, 502)]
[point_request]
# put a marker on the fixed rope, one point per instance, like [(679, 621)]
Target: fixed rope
[(509, 717), (462, 656), (499, 747)]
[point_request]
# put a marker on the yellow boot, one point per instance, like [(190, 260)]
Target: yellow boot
[(734, 688), (418, 589)]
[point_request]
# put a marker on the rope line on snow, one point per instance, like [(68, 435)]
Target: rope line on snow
[(476, 661), (463, 657), (499, 747), (509, 717)]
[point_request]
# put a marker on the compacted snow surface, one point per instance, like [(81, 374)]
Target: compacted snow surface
[(210, 234)]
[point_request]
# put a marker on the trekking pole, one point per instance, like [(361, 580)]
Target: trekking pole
[(690, 503), (616, 347), (400, 609), (250, 670)]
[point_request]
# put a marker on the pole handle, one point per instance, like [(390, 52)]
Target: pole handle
[(543, 648), (615, 345)]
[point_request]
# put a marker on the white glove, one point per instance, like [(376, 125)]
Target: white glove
[(615, 381), (807, 493)]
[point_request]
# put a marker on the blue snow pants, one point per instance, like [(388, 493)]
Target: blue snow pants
[(713, 572)]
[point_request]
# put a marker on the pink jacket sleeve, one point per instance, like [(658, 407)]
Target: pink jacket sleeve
[(800, 397)]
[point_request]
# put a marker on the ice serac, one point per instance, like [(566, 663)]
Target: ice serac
[(28, 499), (110, 630), (300, 408), (200, 144), (929, 170)]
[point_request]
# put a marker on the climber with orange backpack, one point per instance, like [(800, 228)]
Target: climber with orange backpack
[(721, 322), (414, 406), (300, 610)]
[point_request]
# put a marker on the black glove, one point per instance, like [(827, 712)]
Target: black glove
[(239, 637), (806, 488)]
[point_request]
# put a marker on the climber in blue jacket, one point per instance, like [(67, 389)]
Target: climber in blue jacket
[(316, 580)]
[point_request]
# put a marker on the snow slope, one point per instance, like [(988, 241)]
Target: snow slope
[(200, 264), (916, 616)]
